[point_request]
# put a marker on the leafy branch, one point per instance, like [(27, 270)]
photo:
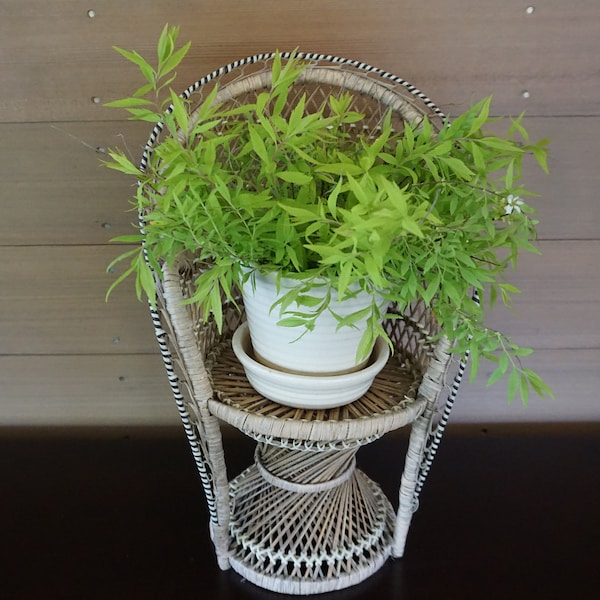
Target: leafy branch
[(430, 211)]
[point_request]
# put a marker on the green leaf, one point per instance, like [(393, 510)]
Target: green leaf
[(482, 118), (541, 155), (524, 390), (122, 163), (432, 166), (174, 60), (365, 345), (345, 273), (450, 288), (179, 112), (127, 103), (521, 352), (497, 143), (302, 215), (340, 169), (309, 301), (474, 359), (411, 226), (517, 126), (258, 145), (333, 198), (408, 143), (499, 372), (166, 41), (508, 177), (458, 167), (142, 114), (538, 384), (120, 279), (216, 306), (431, 289), (276, 68), (352, 319), (145, 68), (146, 278), (292, 322), (440, 148), (207, 108), (478, 159), (493, 295), (144, 90), (295, 177), (134, 252), (127, 239), (514, 384), (358, 190), (469, 276)]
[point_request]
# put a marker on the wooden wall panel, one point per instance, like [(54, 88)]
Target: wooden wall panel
[(570, 193), (55, 192), (572, 374), (85, 390), (54, 189), (52, 302), (59, 364), (54, 58), (132, 390), (559, 301)]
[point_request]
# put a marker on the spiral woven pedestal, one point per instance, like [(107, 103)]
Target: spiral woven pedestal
[(307, 522)]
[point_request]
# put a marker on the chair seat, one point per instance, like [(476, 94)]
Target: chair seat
[(390, 403)]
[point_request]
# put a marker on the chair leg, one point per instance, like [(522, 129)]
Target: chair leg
[(408, 502), (423, 444), (202, 430), (430, 388), (219, 490)]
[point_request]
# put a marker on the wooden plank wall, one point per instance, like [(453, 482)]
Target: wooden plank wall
[(67, 357)]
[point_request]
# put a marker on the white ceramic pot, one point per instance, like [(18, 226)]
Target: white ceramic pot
[(307, 391), (325, 350)]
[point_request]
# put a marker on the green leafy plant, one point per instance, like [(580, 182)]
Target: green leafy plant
[(429, 212)]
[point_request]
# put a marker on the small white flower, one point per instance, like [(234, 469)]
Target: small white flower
[(513, 204)]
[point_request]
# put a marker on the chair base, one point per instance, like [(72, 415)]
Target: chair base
[(324, 527), (303, 587)]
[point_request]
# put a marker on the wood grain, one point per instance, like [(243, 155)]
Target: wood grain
[(52, 302), (55, 59), (59, 360), (85, 390), (558, 304), (132, 390), (568, 196), (55, 191), (573, 375)]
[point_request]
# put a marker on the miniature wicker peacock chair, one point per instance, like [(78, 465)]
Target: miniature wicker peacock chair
[(302, 519)]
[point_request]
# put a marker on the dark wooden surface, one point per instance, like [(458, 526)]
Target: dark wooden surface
[(506, 513)]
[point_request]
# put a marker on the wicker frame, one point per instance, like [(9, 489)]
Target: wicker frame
[(302, 519)]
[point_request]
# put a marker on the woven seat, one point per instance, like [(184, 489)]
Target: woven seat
[(302, 519)]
